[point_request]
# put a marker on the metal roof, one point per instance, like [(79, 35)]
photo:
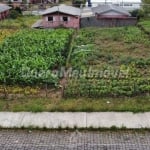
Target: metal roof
[(86, 12), (105, 8), (63, 9), (4, 7), (37, 24)]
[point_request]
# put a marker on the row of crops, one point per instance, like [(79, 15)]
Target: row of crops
[(107, 87), (29, 56), (111, 49)]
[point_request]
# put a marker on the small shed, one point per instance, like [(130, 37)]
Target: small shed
[(60, 16), (4, 11)]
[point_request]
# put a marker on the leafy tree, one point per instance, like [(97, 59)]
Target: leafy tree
[(78, 3), (18, 9), (146, 7), (15, 12), (137, 13)]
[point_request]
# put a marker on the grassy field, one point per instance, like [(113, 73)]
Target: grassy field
[(11, 26), (137, 104), (124, 49), (113, 46), (115, 50), (19, 23), (145, 24)]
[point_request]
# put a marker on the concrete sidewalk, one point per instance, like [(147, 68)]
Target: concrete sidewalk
[(65, 140), (77, 119)]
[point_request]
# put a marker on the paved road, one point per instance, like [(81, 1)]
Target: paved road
[(65, 140)]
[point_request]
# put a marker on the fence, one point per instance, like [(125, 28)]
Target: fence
[(107, 22)]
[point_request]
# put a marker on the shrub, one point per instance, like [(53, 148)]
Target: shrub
[(14, 14), (137, 13)]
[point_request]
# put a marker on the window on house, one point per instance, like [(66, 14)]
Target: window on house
[(50, 18), (65, 19)]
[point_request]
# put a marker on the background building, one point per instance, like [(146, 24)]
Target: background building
[(127, 4)]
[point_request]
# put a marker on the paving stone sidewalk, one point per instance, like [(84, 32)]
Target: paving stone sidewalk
[(66, 140)]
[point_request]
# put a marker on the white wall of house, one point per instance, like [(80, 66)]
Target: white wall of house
[(127, 4), (16, 1)]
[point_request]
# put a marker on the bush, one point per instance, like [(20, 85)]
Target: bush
[(15, 12), (77, 3), (137, 13), (18, 9)]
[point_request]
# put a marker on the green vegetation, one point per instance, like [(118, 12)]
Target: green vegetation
[(146, 25), (10, 26), (6, 33), (28, 56), (19, 23), (139, 13), (146, 7), (120, 59), (15, 13), (137, 104)]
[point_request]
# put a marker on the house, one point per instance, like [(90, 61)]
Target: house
[(60, 16), (4, 11), (13, 3), (107, 16), (43, 1), (16, 3), (72, 17), (126, 4), (130, 5), (110, 11)]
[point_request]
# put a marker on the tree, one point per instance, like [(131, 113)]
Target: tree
[(78, 3), (137, 13), (15, 12), (146, 7)]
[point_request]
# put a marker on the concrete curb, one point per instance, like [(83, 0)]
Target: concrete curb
[(77, 119)]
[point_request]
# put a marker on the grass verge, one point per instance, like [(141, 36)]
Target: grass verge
[(137, 104)]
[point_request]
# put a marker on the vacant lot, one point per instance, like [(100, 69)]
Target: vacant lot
[(110, 69), (117, 61)]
